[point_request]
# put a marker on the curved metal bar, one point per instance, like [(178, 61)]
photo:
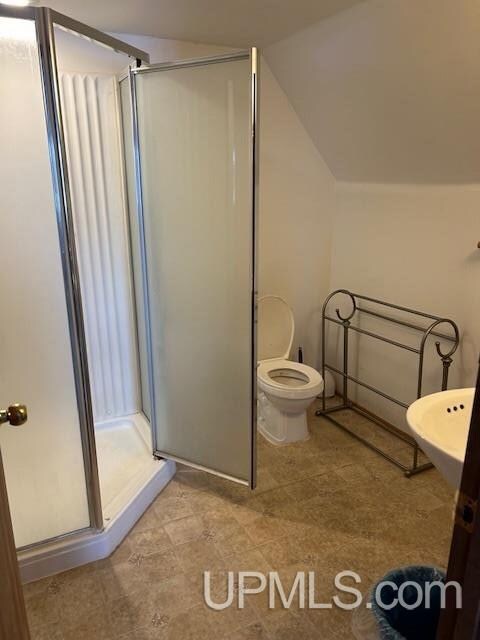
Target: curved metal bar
[(444, 357), (455, 346), (354, 309), (429, 331), (331, 295), (346, 324), (337, 311)]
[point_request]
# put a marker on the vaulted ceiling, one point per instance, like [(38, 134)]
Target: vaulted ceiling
[(388, 90), (235, 23)]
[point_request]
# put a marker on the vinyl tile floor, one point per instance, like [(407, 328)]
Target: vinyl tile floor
[(325, 505)]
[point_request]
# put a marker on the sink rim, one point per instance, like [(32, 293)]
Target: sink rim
[(413, 417)]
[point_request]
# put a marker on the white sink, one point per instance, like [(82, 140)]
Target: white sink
[(440, 424)]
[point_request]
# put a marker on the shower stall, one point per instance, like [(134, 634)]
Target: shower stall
[(128, 220)]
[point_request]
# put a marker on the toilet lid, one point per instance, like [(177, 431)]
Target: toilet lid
[(276, 327)]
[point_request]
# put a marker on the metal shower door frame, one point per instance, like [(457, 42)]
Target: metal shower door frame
[(253, 56), (45, 20)]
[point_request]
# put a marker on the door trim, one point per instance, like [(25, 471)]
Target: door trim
[(13, 615)]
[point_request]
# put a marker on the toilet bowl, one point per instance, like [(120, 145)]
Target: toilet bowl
[(285, 388)]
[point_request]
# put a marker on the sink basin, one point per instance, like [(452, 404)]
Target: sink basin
[(440, 424)]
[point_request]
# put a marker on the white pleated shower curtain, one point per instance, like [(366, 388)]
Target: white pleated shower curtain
[(93, 135)]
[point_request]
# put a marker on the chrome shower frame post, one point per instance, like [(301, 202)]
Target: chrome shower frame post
[(45, 20), (255, 161), (143, 256), (426, 332)]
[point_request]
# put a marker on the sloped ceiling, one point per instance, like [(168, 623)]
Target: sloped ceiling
[(389, 90), (234, 23)]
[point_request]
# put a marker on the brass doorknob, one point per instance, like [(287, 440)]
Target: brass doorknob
[(16, 414)]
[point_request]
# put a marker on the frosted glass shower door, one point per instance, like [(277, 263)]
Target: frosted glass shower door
[(196, 159), (43, 460)]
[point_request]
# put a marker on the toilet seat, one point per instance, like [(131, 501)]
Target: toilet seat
[(271, 372)]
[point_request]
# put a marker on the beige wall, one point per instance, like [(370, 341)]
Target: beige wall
[(388, 90), (414, 246)]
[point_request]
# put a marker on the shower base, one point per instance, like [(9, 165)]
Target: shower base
[(130, 479), (124, 455)]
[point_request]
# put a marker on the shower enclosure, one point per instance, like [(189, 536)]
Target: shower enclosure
[(128, 280)]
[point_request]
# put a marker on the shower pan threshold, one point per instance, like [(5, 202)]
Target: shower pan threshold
[(125, 496)]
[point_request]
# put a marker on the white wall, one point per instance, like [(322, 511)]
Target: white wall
[(297, 201), (414, 246)]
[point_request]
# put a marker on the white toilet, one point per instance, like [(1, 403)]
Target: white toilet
[(285, 388)]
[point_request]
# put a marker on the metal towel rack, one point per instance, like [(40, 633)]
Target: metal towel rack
[(435, 322)]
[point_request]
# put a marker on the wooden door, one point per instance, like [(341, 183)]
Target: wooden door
[(464, 562), (13, 617)]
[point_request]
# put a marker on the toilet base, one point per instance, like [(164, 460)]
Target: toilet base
[(280, 428)]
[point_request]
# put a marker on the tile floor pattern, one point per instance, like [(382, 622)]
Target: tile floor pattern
[(325, 505)]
